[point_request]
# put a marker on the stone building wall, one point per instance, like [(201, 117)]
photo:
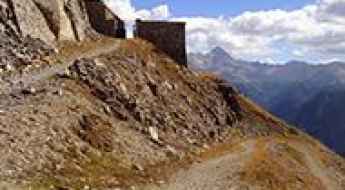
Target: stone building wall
[(170, 37), (103, 20)]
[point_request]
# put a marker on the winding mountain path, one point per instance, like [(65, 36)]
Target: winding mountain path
[(223, 173), (21, 82), (216, 174)]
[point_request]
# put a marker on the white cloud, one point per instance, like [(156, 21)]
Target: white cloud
[(298, 53), (315, 32), (157, 13), (206, 33), (160, 12), (125, 10)]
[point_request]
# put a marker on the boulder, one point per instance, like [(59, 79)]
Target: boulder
[(153, 131)]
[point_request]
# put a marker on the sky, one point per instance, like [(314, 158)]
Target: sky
[(270, 31), (222, 7)]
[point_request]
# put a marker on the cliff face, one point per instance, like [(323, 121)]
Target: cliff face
[(31, 30), (15, 49), (50, 21)]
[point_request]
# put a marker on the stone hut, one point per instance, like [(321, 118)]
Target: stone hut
[(170, 37), (103, 20)]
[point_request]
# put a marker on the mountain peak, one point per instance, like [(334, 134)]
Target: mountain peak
[(220, 53), (296, 62)]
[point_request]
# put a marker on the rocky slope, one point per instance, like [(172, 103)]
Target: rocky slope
[(50, 21), (95, 114), (33, 31), (119, 114), (305, 95), (132, 117)]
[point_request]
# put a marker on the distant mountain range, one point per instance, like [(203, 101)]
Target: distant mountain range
[(309, 96)]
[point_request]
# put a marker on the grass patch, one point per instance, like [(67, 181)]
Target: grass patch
[(260, 126), (260, 115), (274, 170), (100, 171)]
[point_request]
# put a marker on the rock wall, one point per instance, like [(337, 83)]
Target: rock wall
[(15, 48), (57, 19), (77, 13), (31, 21), (8, 24), (50, 21)]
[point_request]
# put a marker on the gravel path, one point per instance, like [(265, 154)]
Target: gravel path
[(18, 83), (217, 174), (223, 173)]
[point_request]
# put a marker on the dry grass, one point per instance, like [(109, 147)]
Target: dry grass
[(260, 115), (68, 49), (280, 172), (100, 171), (209, 76), (222, 149), (148, 54), (139, 48)]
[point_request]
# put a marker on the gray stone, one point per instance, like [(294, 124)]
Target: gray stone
[(57, 19), (76, 12), (50, 21), (138, 167), (31, 22), (153, 131), (172, 150)]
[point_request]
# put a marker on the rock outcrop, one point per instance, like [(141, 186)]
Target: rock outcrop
[(16, 48), (18, 52), (8, 23), (57, 18), (31, 21), (77, 14), (50, 21), (32, 29)]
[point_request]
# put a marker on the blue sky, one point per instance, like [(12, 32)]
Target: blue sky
[(216, 8)]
